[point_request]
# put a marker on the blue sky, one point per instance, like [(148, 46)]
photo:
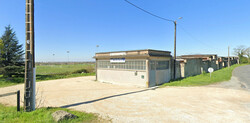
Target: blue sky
[(208, 26)]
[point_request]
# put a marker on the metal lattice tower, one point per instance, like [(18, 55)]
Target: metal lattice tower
[(29, 89)]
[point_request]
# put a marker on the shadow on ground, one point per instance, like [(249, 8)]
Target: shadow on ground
[(117, 95)]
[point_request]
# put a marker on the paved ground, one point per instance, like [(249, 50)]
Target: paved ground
[(240, 79), (132, 104), (243, 75)]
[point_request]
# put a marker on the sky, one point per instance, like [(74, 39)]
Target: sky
[(77, 26)]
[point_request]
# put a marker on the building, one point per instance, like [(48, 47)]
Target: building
[(188, 67), (204, 57), (208, 60), (145, 68)]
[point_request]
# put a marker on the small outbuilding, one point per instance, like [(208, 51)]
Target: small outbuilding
[(145, 68)]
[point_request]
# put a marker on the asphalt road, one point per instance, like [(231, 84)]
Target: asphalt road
[(243, 75)]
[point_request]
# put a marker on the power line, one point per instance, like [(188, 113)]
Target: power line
[(165, 19)]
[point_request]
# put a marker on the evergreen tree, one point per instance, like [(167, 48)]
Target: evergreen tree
[(12, 53), (1, 52)]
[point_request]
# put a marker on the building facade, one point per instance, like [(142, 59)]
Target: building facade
[(144, 68)]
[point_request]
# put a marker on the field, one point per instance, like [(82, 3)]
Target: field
[(54, 71), (41, 115), (44, 69), (204, 79)]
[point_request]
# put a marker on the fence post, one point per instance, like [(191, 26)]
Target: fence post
[(18, 100)]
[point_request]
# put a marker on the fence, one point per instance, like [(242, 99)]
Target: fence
[(18, 97)]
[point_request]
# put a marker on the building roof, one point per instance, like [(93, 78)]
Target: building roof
[(133, 53), (204, 57), (199, 55)]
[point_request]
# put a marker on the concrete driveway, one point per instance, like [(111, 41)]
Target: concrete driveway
[(134, 104)]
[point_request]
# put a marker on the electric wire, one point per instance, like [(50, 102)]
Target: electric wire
[(148, 11), (165, 19)]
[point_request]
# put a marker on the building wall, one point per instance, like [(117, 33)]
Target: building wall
[(178, 71), (127, 77), (220, 65), (182, 70), (205, 66), (159, 76), (192, 67), (195, 66), (213, 64)]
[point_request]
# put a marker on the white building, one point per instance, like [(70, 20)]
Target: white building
[(145, 68)]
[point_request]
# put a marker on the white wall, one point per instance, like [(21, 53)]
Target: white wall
[(126, 77)]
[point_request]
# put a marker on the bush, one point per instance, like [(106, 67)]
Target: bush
[(89, 69), (243, 60), (1, 70), (80, 71)]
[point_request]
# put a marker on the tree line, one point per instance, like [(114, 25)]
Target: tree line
[(11, 54)]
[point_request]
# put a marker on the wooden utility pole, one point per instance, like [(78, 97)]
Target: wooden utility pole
[(29, 88), (228, 59)]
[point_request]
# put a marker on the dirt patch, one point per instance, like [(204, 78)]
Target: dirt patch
[(133, 104)]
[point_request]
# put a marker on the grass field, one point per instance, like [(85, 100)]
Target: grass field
[(204, 79), (56, 71), (5, 82), (41, 115), (61, 69)]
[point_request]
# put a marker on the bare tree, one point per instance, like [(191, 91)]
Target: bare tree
[(247, 52), (240, 50)]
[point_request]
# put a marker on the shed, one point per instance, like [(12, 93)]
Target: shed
[(144, 68)]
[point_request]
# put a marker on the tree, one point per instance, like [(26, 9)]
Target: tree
[(11, 54), (247, 52), (1, 52), (241, 52), (1, 49)]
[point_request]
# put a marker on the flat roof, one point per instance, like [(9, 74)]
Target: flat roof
[(133, 53), (199, 55)]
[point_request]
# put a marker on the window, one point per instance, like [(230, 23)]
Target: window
[(159, 65), (128, 65)]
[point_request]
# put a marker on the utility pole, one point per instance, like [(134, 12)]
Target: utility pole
[(228, 59), (175, 23), (29, 88)]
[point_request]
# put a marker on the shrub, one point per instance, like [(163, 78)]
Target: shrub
[(243, 60), (90, 69), (80, 71)]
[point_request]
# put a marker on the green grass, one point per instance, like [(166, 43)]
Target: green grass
[(4, 82), (204, 79), (41, 115), (51, 72), (60, 69)]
